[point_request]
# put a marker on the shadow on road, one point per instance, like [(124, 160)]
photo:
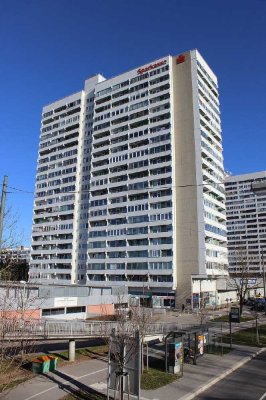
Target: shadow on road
[(59, 355), (80, 392)]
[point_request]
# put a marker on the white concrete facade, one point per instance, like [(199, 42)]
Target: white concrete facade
[(146, 206), (246, 222)]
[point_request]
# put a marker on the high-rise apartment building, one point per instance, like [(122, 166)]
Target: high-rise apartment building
[(246, 221), (129, 182), (60, 216)]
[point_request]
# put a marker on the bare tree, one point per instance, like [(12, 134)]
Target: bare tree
[(10, 268), (240, 279), (18, 305), (122, 341), (203, 310), (11, 237), (141, 319)]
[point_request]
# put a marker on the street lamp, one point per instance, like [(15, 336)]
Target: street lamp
[(254, 187), (227, 301), (264, 288)]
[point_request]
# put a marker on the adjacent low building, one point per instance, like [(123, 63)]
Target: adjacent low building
[(19, 254), (246, 222), (35, 301), (14, 263)]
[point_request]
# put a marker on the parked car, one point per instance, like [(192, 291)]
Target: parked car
[(259, 305), (250, 302)]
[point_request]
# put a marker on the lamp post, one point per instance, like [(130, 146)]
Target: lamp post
[(23, 298), (253, 188), (227, 301), (199, 305), (22, 315)]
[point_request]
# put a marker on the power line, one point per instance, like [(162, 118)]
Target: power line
[(19, 190), (134, 190)]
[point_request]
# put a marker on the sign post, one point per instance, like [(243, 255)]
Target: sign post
[(234, 316)]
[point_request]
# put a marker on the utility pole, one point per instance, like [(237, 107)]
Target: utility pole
[(199, 305), (264, 288), (2, 208)]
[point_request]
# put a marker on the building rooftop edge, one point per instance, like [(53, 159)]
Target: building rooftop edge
[(251, 175), (61, 99), (194, 50)]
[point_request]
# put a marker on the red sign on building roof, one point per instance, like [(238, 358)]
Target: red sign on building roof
[(151, 66), (180, 59)]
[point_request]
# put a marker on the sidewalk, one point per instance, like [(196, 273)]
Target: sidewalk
[(198, 378), (92, 374)]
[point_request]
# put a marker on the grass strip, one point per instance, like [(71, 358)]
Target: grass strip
[(248, 337), (218, 350), (91, 352), (225, 318), (154, 379)]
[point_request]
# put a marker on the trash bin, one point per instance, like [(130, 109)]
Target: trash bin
[(53, 363), (36, 366), (41, 365)]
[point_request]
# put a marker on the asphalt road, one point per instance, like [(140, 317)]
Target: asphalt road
[(247, 383)]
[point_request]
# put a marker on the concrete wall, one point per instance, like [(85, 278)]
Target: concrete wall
[(186, 227)]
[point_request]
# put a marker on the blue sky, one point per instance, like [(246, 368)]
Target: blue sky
[(49, 47)]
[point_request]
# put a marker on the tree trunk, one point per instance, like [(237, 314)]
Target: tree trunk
[(241, 304)]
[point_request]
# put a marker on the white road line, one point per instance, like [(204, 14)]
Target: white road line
[(263, 396), (83, 376), (62, 383)]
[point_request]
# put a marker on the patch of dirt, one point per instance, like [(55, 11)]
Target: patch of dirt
[(13, 376)]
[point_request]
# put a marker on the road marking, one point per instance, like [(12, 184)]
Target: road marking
[(99, 386), (83, 376), (262, 397), (62, 383)]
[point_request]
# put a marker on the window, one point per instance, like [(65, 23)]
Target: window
[(138, 219), (133, 254), (72, 310), (52, 311)]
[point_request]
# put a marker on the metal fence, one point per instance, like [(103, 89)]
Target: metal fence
[(52, 329), (46, 329)]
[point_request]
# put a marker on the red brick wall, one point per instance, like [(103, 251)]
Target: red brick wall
[(101, 309), (28, 314)]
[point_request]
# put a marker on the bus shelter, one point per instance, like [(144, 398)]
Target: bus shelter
[(195, 342)]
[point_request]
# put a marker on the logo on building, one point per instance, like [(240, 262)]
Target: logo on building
[(180, 59), (152, 66)]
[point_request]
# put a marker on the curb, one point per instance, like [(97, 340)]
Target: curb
[(192, 395)]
